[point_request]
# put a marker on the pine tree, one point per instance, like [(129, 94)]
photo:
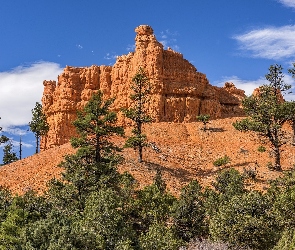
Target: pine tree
[(268, 112), (94, 164), (3, 138), (137, 112), (38, 125), (95, 124), (8, 155)]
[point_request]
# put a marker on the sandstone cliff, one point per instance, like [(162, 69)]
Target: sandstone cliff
[(179, 91)]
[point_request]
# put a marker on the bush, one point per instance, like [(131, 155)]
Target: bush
[(245, 221), (189, 213), (287, 240), (161, 237), (229, 182), (221, 161), (261, 149)]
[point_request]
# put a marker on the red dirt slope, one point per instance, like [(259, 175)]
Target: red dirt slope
[(187, 153)]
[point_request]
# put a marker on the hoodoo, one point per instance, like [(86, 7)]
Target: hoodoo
[(179, 91)]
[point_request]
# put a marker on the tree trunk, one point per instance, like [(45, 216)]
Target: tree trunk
[(97, 150), (277, 165), (140, 153), (293, 128), (37, 144)]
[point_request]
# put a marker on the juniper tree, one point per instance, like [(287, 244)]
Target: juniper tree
[(137, 112), (267, 112), (38, 125)]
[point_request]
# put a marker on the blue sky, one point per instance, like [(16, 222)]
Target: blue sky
[(228, 40)]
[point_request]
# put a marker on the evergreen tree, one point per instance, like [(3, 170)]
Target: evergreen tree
[(38, 125), (268, 112), (245, 221), (153, 204), (95, 124), (137, 112), (3, 138), (8, 155), (94, 164), (189, 213)]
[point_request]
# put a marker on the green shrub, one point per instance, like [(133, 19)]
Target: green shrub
[(159, 237), (287, 240), (229, 182), (245, 220), (189, 212), (261, 149), (222, 161)]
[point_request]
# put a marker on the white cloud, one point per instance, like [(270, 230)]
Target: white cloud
[(24, 144), (130, 47), (168, 39), (288, 3), (249, 85), (15, 131), (111, 57), (21, 88), (270, 43)]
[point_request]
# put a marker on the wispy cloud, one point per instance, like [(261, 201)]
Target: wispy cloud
[(16, 131), (249, 85), (24, 144), (168, 39), (21, 88), (111, 57), (270, 43), (288, 3), (130, 47)]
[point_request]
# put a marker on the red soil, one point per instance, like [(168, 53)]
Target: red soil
[(187, 153)]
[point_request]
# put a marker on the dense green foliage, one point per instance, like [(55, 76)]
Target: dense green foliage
[(137, 112), (38, 125), (268, 112), (117, 215), (9, 155)]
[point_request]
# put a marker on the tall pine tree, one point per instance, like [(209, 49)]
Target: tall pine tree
[(94, 164), (38, 125), (137, 112)]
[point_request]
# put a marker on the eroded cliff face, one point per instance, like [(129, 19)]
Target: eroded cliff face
[(179, 91)]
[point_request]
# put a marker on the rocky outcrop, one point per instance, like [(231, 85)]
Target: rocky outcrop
[(179, 91)]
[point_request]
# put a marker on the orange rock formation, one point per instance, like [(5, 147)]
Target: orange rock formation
[(179, 91)]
